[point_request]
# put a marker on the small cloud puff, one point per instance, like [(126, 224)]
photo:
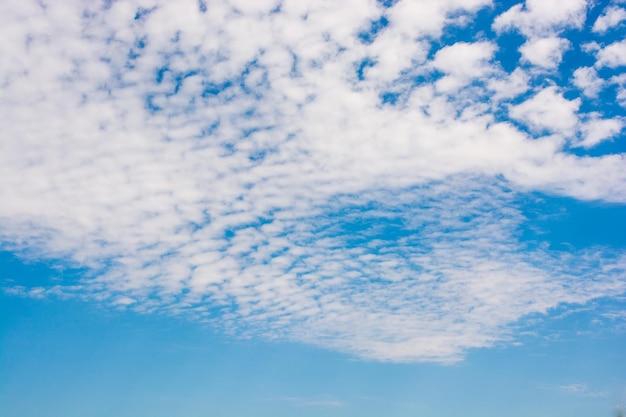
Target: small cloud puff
[(587, 79), (612, 17), (545, 52), (596, 131), (475, 58), (548, 110), (612, 56), (538, 17)]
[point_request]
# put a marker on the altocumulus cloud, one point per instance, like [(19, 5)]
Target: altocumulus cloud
[(330, 173)]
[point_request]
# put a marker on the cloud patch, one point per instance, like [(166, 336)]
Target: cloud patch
[(544, 52), (613, 16), (548, 110)]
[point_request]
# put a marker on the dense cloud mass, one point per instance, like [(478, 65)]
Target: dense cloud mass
[(344, 174)]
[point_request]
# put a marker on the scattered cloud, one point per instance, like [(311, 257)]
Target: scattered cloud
[(576, 389), (537, 17), (613, 16), (545, 52), (620, 82), (596, 130), (612, 56), (475, 58), (587, 79), (548, 110), (268, 168)]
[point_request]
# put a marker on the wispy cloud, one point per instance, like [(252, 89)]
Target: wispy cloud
[(578, 389), (307, 402), (267, 168)]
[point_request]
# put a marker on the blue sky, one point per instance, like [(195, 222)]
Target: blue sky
[(352, 208)]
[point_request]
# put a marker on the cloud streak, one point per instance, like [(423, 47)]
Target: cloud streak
[(271, 170)]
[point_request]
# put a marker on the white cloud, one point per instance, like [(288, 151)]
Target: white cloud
[(538, 17), (124, 301), (587, 79), (620, 81), (596, 130), (563, 177), (548, 110), (395, 49), (611, 18), (394, 52), (475, 58), (590, 47), (511, 86), (545, 52), (582, 389), (230, 166), (424, 18), (612, 56)]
